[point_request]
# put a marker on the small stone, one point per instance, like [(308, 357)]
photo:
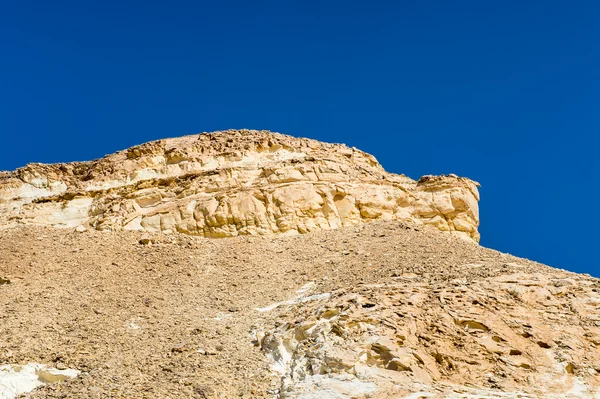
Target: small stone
[(145, 240), (80, 229), (179, 348)]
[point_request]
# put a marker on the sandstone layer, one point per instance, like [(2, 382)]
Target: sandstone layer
[(229, 183)]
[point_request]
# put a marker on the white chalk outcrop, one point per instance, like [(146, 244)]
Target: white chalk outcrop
[(16, 380)]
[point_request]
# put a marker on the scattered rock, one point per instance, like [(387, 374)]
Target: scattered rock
[(179, 348)]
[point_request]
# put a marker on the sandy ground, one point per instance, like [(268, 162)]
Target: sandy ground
[(175, 318)]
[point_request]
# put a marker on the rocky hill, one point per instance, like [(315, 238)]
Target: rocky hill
[(235, 182), (114, 305)]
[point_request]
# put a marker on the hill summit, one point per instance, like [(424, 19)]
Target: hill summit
[(234, 182)]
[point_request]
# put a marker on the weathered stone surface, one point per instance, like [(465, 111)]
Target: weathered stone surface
[(517, 335), (229, 183)]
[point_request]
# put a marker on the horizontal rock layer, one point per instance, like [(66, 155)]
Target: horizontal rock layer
[(235, 182)]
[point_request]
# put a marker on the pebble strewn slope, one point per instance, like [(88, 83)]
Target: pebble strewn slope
[(388, 308)]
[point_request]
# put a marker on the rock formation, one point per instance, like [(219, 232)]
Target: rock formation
[(525, 335), (354, 310), (229, 183)]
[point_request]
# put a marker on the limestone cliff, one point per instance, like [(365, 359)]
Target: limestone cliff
[(229, 183)]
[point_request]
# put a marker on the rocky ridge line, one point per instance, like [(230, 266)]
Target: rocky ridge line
[(234, 182)]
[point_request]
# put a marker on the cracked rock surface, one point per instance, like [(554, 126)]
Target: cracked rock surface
[(230, 183), (525, 334)]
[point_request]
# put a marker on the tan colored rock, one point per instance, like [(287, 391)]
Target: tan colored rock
[(480, 339), (235, 182), (385, 310)]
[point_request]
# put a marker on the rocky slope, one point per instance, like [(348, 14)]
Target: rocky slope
[(235, 182), (131, 298), (382, 310)]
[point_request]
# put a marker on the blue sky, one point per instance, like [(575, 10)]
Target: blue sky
[(506, 93)]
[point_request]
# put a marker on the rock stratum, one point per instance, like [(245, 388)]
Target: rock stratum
[(229, 183)]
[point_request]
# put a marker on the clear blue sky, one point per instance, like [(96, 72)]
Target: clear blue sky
[(507, 93)]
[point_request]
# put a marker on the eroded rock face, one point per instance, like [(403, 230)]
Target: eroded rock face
[(517, 335), (235, 182)]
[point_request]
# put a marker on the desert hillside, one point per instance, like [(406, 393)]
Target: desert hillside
[(331, 278)]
